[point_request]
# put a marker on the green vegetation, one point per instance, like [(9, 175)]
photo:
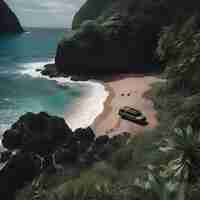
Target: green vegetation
[(153, 165), (90, 11), (179, 46)]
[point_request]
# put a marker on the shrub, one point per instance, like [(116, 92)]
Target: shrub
[(179, 47), (89, 185)]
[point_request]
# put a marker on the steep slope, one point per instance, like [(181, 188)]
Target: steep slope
[(117, 36), (178, 49), (8, 20)]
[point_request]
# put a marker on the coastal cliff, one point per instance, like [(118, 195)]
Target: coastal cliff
[(91, 10), (8, 20), (117, 36)]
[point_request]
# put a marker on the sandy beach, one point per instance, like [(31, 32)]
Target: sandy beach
[(126, 91)]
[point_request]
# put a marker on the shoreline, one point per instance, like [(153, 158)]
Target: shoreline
[(105, 100), (109, 122), (107, 109), (88, 106)]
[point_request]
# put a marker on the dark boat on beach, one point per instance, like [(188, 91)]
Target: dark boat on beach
[(131, 114)]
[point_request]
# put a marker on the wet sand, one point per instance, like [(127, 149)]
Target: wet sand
[(126, 91)]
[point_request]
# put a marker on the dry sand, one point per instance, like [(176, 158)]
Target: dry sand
[(126, 91)]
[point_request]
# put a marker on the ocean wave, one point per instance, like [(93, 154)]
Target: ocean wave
[(84, 111), (32, 69)]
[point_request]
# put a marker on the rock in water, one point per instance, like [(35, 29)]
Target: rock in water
[(37, 133), (8, 20), (50, 70)]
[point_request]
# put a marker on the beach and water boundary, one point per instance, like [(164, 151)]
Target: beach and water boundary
[(85, 109), (96, 106), (100, 101)]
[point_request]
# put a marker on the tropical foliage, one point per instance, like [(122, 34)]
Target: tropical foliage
[(90, 11), (179, 48)]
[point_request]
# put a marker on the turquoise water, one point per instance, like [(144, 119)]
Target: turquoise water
[(21, 89)]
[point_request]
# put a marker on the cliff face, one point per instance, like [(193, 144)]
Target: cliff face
[(8, 20), (93, 9), (118, 36)]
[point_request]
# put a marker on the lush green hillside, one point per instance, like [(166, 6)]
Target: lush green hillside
[(122, 29), (90, 11), (117, 36), (179, 48)]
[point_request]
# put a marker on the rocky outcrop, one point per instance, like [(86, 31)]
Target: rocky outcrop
[(114, 46), (21, 168), (117, 36), (50, 70), (8, 20), (37, 133), (39, 143)]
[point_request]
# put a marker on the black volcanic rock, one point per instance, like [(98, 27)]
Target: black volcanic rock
[(90, 11), (84, 134), (50, 70), (38, 133), (40, 143), (8, 20), (84, 138), (20, 169)]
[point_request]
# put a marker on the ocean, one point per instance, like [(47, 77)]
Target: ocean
[(23, 89)]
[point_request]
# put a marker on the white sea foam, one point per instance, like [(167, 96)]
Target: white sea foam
[(84, 111), (32, 69)]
